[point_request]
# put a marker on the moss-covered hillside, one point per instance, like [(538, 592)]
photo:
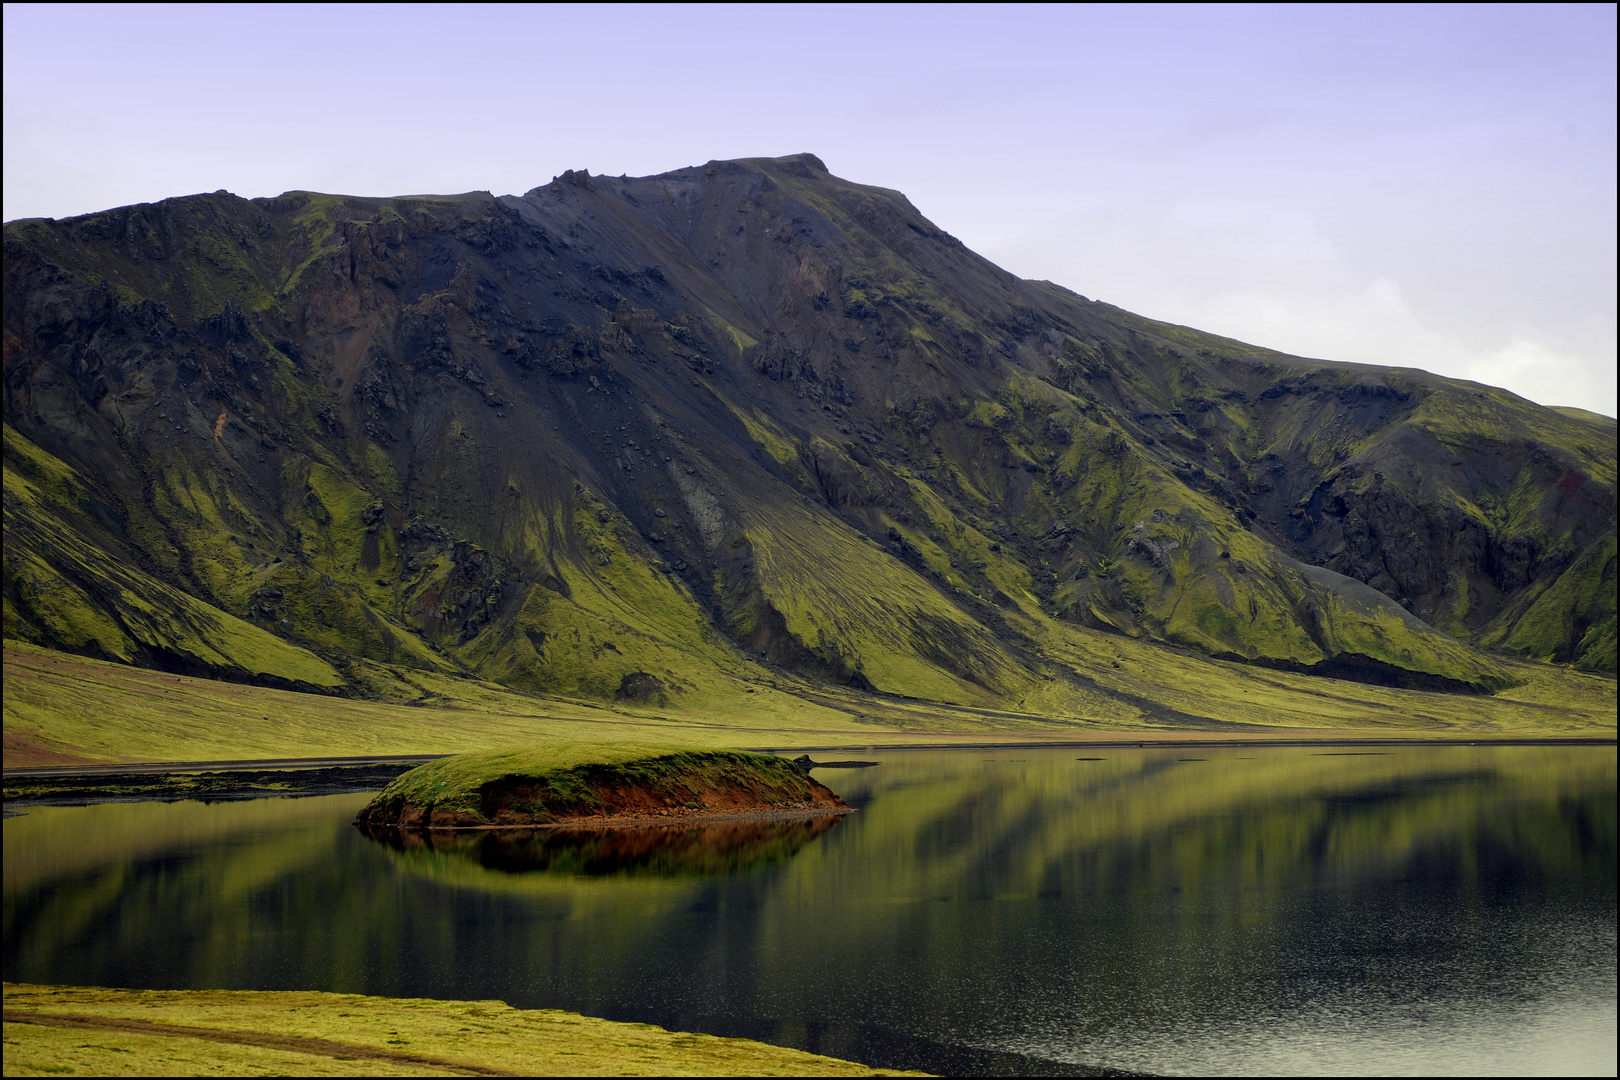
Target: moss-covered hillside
[(658, 439)]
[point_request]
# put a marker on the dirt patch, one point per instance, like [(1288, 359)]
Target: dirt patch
[(32, 750)]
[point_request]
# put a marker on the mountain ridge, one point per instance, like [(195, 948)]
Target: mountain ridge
[(639, 438)]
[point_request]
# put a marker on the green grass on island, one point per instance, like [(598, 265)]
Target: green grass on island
[(90, 1031), (558, 782)]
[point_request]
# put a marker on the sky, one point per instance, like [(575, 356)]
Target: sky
[(1424, 186)]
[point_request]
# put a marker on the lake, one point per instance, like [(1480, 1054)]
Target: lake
[(1318, 910)]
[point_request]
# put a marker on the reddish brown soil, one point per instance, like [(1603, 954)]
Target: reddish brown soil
[(22, 751), (511, 803)]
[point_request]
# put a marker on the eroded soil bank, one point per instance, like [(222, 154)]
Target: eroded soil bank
[(504, 791)]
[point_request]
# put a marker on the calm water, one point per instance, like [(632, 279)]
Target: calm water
[(1433, 910)]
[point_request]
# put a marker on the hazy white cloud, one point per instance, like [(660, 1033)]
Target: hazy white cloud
[(1265, 272), (1377, 326)]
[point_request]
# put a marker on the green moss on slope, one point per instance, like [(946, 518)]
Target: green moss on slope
[(64, 589), (864, 615), (608, 613), (1573, 620)]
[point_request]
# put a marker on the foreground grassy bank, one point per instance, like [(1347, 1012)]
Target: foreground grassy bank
[(66, 1030), (66, 709)]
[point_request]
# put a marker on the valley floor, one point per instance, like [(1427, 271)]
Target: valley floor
[(63, 1030), (65, 710)]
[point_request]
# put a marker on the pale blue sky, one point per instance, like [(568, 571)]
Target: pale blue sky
[(1430, 186)]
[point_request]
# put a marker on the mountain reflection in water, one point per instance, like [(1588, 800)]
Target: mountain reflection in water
[(713, 848), (1442, 910)]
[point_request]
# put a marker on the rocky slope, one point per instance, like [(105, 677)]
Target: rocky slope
[(635, 437)]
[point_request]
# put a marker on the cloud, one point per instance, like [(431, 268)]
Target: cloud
[(1376, 325), (1267, 272), (1393, 185)]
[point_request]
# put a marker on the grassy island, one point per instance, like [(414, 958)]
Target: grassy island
[(67, 1030), (589, 783)]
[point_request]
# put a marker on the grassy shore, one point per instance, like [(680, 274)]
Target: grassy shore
[(66, 709), (91, 1031)]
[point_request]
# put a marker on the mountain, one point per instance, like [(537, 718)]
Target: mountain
[(639, 438)]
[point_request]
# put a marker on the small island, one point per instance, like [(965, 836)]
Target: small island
[(597, 784)]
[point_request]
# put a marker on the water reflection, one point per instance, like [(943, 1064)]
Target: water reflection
[(709, 849), (1428, 909)]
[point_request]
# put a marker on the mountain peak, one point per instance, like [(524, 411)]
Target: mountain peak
[(745, 418)]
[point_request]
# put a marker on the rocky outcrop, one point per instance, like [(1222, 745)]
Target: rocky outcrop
[(454, 793)]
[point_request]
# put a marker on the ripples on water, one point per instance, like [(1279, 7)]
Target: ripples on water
[(1429, 910)]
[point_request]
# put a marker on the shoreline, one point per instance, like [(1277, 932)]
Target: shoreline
[(1124, 741), (1134, 742), (127, 786), (310, 777)]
